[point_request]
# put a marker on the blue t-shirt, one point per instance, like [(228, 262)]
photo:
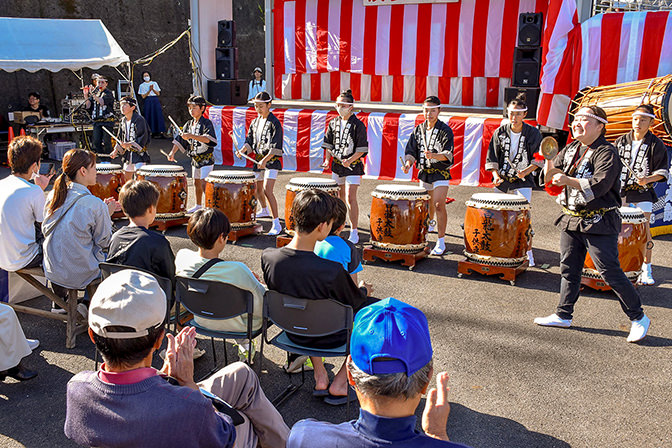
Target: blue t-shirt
[(369, 431), (341, 251)]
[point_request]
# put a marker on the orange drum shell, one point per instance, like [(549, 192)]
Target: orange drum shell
[(289, 201), (173, 193), (401, 222), (107, 185), (236, 200), (497, 233), (631, 248)]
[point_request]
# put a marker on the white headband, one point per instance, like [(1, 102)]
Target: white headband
[(344, 104), (643, 114), (430, 107), (600, 119), (513, 109), (261, 101)]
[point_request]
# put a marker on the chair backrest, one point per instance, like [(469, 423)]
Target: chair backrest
[(212, 299), (166, 284), (306, 317)]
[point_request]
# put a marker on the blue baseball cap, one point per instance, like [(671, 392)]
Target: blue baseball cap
[(390, 336)]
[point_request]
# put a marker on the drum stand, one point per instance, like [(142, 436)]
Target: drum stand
[(504, 272), (409, 259), (282, 240), (163, 224), (236, 234), (597, 283)]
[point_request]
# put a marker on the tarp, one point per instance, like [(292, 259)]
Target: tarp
[(57, 44)]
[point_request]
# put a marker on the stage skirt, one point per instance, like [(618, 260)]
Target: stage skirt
[(154, 115)]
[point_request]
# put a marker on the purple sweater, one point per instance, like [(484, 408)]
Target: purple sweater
[(151, 413)]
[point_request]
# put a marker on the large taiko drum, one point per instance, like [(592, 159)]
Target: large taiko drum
[(171, 180), (399, 217), (232, 192), (497, 229), (297, 184), (109, 180), (619, 101), (631, 245)]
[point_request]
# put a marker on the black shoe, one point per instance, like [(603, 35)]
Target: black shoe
[(19, 373)]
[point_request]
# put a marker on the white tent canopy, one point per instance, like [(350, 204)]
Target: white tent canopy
[(57, 44)]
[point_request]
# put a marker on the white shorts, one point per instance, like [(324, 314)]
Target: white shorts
[(646, 206), (433, 185), (132, 167), (349, 180), (266, 174), (202, 172)]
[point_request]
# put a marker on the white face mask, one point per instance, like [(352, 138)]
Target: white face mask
[(343, 110), (146, 78)]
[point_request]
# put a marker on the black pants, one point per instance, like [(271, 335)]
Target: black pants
[(603, 249), (102, 142)]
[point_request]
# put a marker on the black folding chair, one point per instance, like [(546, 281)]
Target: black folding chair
[(309, 318), (216, 300)]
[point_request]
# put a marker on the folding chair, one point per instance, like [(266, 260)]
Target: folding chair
[(210, 299), (309, 318)]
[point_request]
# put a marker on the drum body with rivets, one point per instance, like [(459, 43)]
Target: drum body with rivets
[(234, 193), (171, 180), (399, 218), (297, 184), (109, 180)]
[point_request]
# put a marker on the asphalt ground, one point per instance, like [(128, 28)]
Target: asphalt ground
[(513, 384)]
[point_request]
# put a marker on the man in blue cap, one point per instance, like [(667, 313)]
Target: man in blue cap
[(390, 366)]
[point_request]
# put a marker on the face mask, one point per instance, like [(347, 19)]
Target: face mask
[(146, 78), (343, 110)]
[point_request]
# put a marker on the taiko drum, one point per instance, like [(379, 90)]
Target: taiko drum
[(171, 180), (232, 192), (399, 218), (297, 184), (497, 229), (631, 244), (109, 180)]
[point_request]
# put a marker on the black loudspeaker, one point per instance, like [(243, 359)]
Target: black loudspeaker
[(226, 33), (529, 29), (526, 67), (226, 62), (228, 92), (531, 99)]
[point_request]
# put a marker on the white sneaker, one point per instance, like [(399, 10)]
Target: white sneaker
[(439, 248), (638, 329), (645, 278), (553, 321), (530, 258), (432, 226), (276, 228), (354, 237), (194, 208), (33, 343), (264, 213)]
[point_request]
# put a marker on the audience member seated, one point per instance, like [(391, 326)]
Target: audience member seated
[(35, 106), (135, 244), (337, 249), (296, 270), (127, 403), (22, 206), (209, 230), (14, 347), (77, 226), (390, 367)]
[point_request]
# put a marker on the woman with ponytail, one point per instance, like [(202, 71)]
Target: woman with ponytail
[(77, 225)]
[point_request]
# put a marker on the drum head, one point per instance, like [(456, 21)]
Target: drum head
[(498, 197), (107, 167), (308, 183), (498, 201), (230, 176), (401, 189), (160, 169), (632, 215)]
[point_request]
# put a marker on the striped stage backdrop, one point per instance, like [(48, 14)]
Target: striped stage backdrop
[(388, 134), (461, 51)]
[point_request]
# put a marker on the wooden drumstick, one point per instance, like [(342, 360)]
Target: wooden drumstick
[(245, 156), (164, 153), (179, 130), (403, 165), (110, 134)]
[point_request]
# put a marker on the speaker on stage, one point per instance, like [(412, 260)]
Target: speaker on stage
[(226, 33), (526, 67), (226, 62), (531, 99), (529, 29), (228, 92)]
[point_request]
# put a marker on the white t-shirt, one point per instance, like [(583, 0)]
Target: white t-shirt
[(634, 150), (344, 124), (21, 205), (261, 124), (515, 141), (144, 88)]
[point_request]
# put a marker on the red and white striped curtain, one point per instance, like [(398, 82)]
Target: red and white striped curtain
[(388, 133), (606, 49), (462, 52)]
